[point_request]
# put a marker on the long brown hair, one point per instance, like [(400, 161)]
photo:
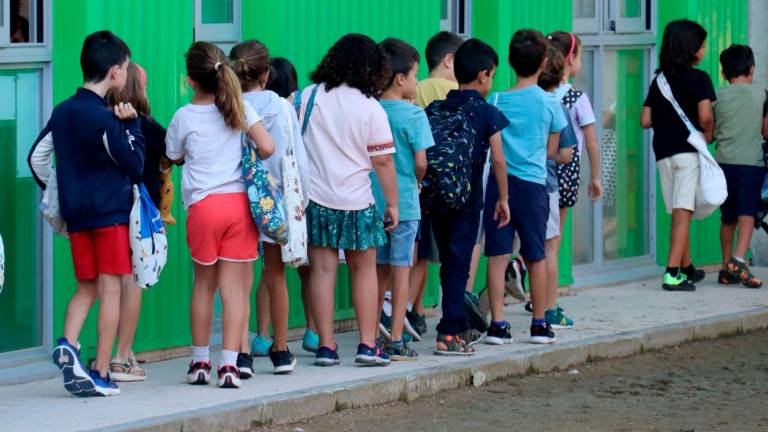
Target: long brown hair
[(553, 72), (208, 67), (250, 60), (134, 91)]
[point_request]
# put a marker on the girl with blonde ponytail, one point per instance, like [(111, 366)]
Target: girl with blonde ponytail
[(221, 235)]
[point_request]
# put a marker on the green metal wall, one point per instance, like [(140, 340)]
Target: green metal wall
[(726, 23)]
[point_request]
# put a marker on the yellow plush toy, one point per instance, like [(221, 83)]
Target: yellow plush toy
[(166, 191)]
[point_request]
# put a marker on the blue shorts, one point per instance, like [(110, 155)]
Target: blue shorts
[(398, 250), (529, 211), (744, 185), (427, 246)]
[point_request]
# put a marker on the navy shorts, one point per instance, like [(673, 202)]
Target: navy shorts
[(529, 211), (427, 249), (744, 185)]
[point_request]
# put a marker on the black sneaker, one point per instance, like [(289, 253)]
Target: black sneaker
[(326, 356), (418, 321), (529, 306), (677, 283), (476, 318), (283, 361), (693, 274), (542, 334), (499, 335), (245, 365)]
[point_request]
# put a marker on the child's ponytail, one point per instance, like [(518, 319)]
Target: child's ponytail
[(207, 66)]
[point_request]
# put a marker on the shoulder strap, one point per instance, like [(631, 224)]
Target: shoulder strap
[(289, 126), (495, 99), (308, 111), (297, 102), (666, 91)]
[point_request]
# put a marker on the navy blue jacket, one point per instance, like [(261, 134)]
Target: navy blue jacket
[(98, 159)]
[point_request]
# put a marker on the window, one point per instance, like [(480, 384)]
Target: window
[(22, 22), (456, 17), (218, 22), (611, 16)]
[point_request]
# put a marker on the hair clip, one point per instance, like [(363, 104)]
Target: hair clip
[(216, 66)]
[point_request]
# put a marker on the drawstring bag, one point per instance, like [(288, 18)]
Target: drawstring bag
[(712, 189), (294, 252), (49, 206), (2, 264), (149, 245), (266, 201)]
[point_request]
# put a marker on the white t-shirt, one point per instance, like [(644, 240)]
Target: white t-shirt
[(581, 114), (210, 149), (345, 130)]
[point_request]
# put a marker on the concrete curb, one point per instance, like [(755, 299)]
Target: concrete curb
[(316, 401)]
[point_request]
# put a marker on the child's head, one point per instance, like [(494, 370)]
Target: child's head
[(475, 62), (440, 51), (250, 61), (737, 61), (134, 91), (682, 46), (554, 70), (105, 57), (283, 79), (355, 60), (570, 46), (403, 66), (209, 73), (527, 52)]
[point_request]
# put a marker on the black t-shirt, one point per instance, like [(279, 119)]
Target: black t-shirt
[(154, 148), (689, 86)]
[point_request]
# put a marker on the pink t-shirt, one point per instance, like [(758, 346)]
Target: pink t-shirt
[(581, 113), (345, 130)]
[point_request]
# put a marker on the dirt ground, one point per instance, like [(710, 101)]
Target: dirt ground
[(719, 385)]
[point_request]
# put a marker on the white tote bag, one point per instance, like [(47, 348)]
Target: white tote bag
[(294, 253), (712, 189), (2, 264), (149, 245), (49, 206)]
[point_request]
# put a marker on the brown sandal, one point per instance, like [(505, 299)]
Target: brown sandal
[(452, 345)]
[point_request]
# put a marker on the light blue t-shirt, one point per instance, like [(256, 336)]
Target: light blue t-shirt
[(533, 114), (411, 133)]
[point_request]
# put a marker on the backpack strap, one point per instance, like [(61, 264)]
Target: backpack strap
[(571, 97), (308, 111), (495, 100)]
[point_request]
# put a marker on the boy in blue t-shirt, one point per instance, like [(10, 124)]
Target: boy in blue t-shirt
[(536, 120), (412, 136)]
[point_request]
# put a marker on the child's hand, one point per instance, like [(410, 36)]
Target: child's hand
[(125, 111), (501, 213), (595, 189), (391, 218)]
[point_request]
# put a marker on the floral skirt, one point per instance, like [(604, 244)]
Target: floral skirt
[(344, 229)]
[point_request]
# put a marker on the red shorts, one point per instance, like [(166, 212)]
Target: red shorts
[(220, 227), (101, 251)]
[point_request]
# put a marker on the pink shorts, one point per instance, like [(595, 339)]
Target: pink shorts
[(220, 227)]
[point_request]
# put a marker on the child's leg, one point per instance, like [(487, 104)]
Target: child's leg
[(552, 272), (399, 299), (322, 279), (679, 238), (109, 287), (245, 346), (537, 272), (417, 283), (274, 271), (201, 305), (306, 297), (473, 267), (727, 234), (262, 308), (130, 305), (77, 309), (232, 278), (362, 271), (746, 226), (497, 265)]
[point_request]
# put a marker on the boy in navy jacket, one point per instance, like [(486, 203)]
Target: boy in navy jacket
[(99, 156)]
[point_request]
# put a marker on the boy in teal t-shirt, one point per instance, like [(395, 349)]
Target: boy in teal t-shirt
[(412, 135)]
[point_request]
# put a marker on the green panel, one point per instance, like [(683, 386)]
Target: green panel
[(217, 11), (726, 23)]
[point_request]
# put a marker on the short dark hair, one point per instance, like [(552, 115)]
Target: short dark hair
[(527, 49), (401, 55), (355, 60), (283, 79), (472, 57), (681, 41), (737, 60), (102, 50), (439, 46)]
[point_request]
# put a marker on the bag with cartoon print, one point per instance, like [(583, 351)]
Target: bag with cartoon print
[(147, 239), (266, 200)]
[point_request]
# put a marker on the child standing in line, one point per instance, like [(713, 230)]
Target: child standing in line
[(250, 61), (348, 136), (536, 119), (456, 229), (412, 136), (99, 156), (741, 125), (682, 48), (221, 234)]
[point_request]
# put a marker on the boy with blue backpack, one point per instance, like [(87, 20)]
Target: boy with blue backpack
[(464, 127)]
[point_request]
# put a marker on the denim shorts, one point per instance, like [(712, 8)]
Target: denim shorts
[(398, 250)]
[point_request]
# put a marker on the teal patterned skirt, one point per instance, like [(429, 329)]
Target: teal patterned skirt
[(344, 229)]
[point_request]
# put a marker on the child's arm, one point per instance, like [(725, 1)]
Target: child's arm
[(595, 188), (385, 172), (553, 142), (264, 144), (645, 118), (707, 120), (124, 141), (564, 155), (765, 127), (499, 163), (420, 164), (41, 156)]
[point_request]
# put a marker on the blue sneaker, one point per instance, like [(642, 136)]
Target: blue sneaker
[(260, 346), (371, 356), (327, 357), (76, 379), (104, 386), (311, 341)]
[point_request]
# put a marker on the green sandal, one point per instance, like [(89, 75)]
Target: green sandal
[(739, 269), (452, 345)]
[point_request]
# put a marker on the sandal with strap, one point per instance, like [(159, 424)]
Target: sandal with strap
[(452, 345), (740, 270)]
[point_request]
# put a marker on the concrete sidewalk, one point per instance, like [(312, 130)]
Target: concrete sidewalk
[(611, 322)]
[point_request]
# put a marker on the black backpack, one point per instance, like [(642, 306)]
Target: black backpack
[(447, 182)]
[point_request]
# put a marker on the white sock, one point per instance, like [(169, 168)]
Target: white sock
[(409, 308), (228, 358), (201, 353), (388, 295), (739, 259)]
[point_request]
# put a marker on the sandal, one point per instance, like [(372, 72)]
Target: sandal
[(739, 269), (452, 345), (725, 278)]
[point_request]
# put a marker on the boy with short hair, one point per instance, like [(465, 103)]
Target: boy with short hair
[(99, 156), (536, 120), (412, 136), (741, 126), (457, 225)]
